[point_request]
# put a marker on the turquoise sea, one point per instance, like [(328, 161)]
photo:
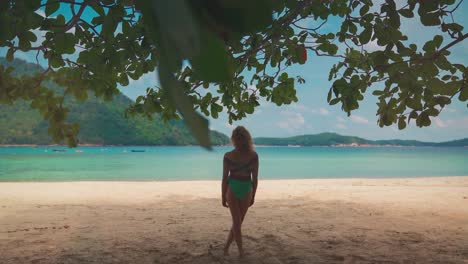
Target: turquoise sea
[(195, 163)]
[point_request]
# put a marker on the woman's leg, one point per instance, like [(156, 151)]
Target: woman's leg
[(243, 207)]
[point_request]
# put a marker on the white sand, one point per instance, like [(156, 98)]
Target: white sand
[(422, 220)]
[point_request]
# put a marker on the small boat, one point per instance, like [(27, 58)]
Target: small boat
[(58, 150), (78, 150), (138, 150)]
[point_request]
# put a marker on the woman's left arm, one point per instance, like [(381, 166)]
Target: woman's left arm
[(254, 178)]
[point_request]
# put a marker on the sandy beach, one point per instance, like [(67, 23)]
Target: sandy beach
[(419, 220)]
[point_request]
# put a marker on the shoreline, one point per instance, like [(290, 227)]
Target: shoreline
[(260, 179), (260, 146), (416, 178)]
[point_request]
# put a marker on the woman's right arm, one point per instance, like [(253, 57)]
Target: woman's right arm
[(224, 184)]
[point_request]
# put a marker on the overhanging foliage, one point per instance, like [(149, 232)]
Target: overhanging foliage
[(243, 48)]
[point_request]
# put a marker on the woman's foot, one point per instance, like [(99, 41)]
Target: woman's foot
[(241, 253), (226, 251)]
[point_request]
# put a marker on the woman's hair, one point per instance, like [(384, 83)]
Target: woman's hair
[(242, 140)]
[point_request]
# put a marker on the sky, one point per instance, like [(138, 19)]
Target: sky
[(312, 114)]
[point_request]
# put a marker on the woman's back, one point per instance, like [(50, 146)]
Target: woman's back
[(241, 164)]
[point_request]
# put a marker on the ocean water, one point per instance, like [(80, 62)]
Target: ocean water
[(195, 163)]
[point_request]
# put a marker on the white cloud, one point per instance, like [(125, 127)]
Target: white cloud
[(323, 111), (340, 123), (291, 121), (359, 119), (40, 35), (230, 126), (299, 107), (341, 126), (373, 46), (458, 123), (440, 123), (148, 80), (450, 110), (302, 108)]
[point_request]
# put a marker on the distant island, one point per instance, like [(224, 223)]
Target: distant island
[(337, 140)]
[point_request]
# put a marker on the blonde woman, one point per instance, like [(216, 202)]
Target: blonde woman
[(239, 185)]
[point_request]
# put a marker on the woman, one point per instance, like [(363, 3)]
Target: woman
[(239, 185)]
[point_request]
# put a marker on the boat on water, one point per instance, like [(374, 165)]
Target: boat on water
[(58, 150), (137, 150)]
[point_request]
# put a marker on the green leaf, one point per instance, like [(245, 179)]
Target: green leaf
[(173, 27), (406, 13), (51, 7), (65, 43), (463, 94), (452, 26), (430, 69), (110, 23), (438, 40), (401, 122), (430, 19), (413, 115), (123, 79), (242, 16), (429, 46), (212, 63), (98, 9), (377, 92), (365, 35), (423, 120), (329, 96), (352, 28), (126, 29), (364, 9), (334, 101)]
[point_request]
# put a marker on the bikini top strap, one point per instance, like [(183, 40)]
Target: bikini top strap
[(241, 164)]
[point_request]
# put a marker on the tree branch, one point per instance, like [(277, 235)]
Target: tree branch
[(76, 17)]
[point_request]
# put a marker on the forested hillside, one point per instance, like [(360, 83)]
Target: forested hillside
[(100, 122)]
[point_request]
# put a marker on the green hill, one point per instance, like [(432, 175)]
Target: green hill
[(323, 139), (455, 143), (100, 122), (330, 139)]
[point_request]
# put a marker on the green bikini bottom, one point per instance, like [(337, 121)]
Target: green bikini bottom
[(240, 188)]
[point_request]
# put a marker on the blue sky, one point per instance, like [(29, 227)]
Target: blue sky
[(313, 115)]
